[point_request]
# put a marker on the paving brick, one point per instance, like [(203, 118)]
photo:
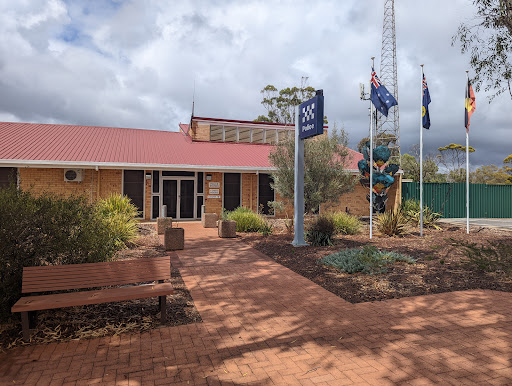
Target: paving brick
[(263, 324)]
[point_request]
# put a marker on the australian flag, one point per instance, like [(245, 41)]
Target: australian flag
[(426, 101), (380, 96)]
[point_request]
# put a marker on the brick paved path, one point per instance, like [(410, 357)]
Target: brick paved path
[(264, 324)]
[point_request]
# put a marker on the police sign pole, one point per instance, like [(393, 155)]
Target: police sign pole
[(309, 121)]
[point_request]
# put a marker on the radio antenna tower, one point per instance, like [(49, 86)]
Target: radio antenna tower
[(388, 128)]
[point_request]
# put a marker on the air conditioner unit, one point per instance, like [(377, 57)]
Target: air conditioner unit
[(73, 175)]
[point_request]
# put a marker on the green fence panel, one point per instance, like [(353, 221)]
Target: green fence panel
[(449, 199)]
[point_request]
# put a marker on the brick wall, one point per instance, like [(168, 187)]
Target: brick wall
[(94, 185), (250, 191), (200, 131), (213, 205), (356, 201), (147, 196)]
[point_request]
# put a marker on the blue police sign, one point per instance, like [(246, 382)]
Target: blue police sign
[(311, 117)]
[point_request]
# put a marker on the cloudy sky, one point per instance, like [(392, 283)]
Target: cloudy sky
[(134, 64)]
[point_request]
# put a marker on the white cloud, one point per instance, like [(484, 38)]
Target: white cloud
[(134, 63)]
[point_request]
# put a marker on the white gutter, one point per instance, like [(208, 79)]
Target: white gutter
[(116, 165)]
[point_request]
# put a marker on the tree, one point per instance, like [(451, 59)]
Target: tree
[(381, 139), (489, 42), (280, 105), (325, 178), (491, 175), (506, 168), (411, 168), (453, 158)]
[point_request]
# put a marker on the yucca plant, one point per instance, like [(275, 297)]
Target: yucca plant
[(411, 210), (392, 223)]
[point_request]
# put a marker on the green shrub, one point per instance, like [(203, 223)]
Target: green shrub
[(120, 216), (248, 221), (45, 230), (321, 231), (368, 260), (345, 223), (392, 223), (411, 210), (495, 257)]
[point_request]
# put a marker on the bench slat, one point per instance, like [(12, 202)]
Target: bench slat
[(75, 276), (47, 302), (92, 265)]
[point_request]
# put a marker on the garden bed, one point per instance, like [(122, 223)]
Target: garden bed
[(439, 266), (111, 318)]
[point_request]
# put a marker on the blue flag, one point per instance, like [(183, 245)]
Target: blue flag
[(426, 101), (380, 96)]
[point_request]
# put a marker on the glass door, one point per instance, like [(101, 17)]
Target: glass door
[(186, 199), (178, 195), (170, 197)]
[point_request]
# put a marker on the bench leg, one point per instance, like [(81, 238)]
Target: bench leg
[(32, 319), (162, 300), (25, 326)]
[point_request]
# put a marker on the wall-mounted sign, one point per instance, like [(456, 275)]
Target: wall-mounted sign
[(213, 197), (214, 191), (311, 117), (214, 184)]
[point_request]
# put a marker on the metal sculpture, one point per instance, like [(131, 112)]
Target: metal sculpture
[(383, 173)]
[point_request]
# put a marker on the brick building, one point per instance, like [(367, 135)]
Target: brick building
[(211, 162)]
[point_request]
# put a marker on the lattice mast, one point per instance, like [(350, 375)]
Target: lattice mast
[(388, 128)]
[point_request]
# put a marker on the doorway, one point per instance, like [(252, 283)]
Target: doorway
[(178, 195)]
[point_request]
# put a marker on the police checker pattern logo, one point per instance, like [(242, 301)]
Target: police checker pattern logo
[(308, 112)]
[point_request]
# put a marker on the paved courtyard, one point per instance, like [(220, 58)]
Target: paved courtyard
[(263, 325)]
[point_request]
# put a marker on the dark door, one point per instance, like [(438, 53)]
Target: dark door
[(186, 199), (231, 191), (170, 198), (134, 187)]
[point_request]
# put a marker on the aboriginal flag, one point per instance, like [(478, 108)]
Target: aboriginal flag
[(470, 104)]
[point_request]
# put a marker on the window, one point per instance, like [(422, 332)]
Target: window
[(265, 193), (270, 136), (178, 174), (257, 135), (156, 207), (216, 133), (7, 175), (231, 191), (133, 187), (200, 182), (230, 134), (156, 181), (244, 134), (200, 201)]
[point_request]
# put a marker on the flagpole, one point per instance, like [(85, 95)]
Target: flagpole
[(421, 155), (467, 159), (371, 160)]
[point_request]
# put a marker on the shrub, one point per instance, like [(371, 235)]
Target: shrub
[(392, 223), (248, 221), (345, 223), (45, 230), (411, 210), (368, 260), (120, 216), (495, 257), (321, 231)]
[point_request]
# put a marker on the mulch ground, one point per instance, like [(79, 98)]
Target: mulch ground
[(439, 267), (109, 319)]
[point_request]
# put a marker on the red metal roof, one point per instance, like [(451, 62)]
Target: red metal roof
[(63, 145)]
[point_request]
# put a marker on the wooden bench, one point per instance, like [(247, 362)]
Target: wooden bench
[(80, 276)]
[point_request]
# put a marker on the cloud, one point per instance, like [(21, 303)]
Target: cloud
[(134, 63)]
